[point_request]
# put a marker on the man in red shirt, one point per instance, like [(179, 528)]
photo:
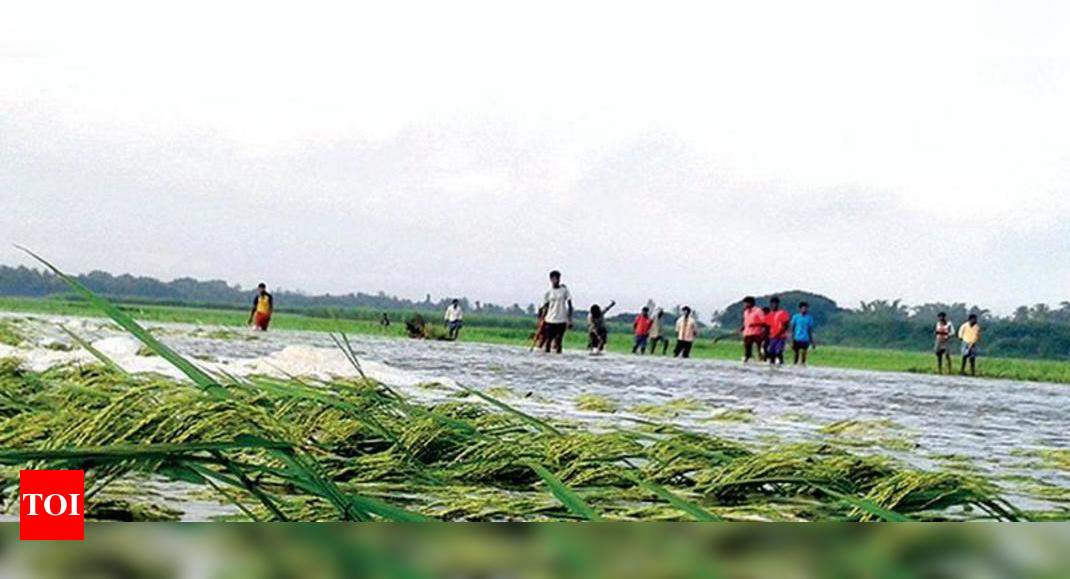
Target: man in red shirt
[(753, 324), (642, 330), (778, 321)]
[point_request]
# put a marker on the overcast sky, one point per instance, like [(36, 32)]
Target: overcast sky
[(687, 152)]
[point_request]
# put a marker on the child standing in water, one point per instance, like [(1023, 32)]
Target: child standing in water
[(597, 332)]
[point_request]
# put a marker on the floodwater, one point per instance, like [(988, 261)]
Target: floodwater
[(992, 427)]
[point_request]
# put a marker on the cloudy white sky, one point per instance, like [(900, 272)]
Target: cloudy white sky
[(686, 152)]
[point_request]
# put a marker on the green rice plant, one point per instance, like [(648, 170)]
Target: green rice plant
[(732, 415), (669, 409), (1056, 458), (595, 403), (567, 496), (434, 467), (9, 336)]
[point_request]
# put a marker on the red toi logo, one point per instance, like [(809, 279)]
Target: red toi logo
[(51, 505)]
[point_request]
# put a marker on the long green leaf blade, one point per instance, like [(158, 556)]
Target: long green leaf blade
[(567, 496), (696, 512), (199, 377)]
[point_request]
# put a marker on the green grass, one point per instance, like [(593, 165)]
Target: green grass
[(511, 331)]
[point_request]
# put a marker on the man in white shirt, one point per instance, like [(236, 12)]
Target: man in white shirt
[(454, 319), (558, 303), (686, 332)]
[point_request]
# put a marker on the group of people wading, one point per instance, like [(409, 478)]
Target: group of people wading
[(765, 331)]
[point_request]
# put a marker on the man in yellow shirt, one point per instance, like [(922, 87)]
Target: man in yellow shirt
[(970, 334), (263, 307)]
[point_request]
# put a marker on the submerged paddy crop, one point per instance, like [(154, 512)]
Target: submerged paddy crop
[(1053, 458), (355, 449), (9, 336), (668, 409), (882, 433), (732, 415), (595, 403)]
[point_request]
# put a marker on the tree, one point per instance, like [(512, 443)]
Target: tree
[(894, 309)]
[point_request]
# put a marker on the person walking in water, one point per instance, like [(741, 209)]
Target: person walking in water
[(263, 306), (802, 333), (539, 338), (686, 332), (778, 321), (657, 333), (944, 333), (753, 328), (597, 332), (454, 317), (970, 334), (642, 325), (558, 303), (764, 345)]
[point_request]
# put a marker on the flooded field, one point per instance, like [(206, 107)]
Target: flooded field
[(1013, 433)]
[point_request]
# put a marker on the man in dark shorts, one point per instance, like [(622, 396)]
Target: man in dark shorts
[(642, 325), (753, 329), (686, 332), (944, 333), (657, 333), (558, 304), (454, 318), (777, 320), (970, 335), (802, 333)]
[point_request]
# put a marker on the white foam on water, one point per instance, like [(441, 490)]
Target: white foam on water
[(292, 360), (312, 361)]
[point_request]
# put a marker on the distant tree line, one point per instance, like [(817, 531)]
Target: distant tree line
[(29, 282), (1038, 331)]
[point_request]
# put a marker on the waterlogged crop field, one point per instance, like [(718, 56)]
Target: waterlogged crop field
[(306, 426)]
